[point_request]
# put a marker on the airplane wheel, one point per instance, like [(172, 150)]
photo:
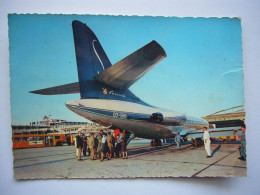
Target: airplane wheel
[(192, 141), (158, 142), (200, 142), (152, 143), (196, 142)]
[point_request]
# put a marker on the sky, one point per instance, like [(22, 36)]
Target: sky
[(202, 73)]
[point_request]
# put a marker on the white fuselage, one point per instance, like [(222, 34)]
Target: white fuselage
[(120, 114)]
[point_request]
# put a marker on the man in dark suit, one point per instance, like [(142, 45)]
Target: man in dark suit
[(84, 146), (79, 141)]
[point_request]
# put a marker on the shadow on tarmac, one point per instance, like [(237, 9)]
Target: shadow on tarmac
[(215, 150), (147, 150)]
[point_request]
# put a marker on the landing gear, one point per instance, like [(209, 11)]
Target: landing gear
[(196, 142), (132, 136), (184, 139), (157, 142)]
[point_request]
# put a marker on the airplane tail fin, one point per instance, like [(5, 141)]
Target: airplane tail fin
[(91, 59), (98, 79)]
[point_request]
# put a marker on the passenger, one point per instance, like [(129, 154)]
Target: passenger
[(178, 140), (75, 143), (206, 138), (243, 143), (88, 150), (84, 145), (124, 133), (118, 146), (91, 144), (79, 142), (104, 146), (99, 137), (113, 145), (106, 149), (95, 145), (109, 144), (123, 145)]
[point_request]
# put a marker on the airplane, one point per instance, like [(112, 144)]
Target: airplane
[(107, 100)]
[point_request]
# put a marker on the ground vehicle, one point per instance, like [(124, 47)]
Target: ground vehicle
[(70, 139), (37, 140)]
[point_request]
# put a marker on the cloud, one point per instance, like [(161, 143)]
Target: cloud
[(235, 70)]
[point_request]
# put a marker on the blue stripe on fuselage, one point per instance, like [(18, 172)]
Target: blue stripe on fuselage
[(112, 113), (128, 115)]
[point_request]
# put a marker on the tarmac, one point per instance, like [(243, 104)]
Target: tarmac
[(143, 161)]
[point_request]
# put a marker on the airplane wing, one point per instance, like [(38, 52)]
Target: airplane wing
[(215, 132), (61, 89), (127, 71), (121, 75)]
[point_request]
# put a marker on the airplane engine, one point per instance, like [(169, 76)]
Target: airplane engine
[(156, 117), (160, 119)]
